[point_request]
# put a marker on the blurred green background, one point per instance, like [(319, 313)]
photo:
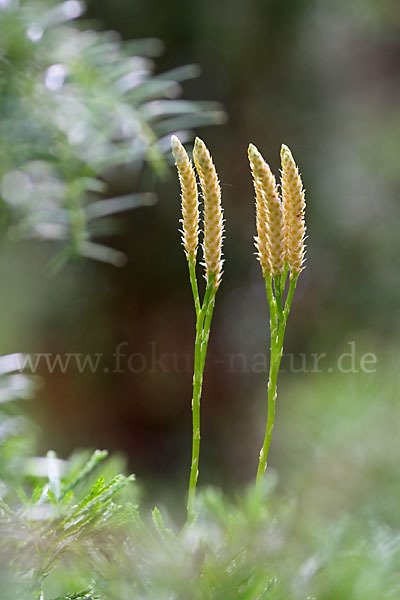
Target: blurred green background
[(322, 77)]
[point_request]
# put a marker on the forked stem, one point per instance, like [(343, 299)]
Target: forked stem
[(203, 325), (279, 314), (213, 231)]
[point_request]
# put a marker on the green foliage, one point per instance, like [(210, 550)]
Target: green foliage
[(57, 520), (74, 531), (17, 433), (248, 550), (85, 595), (75, 104)]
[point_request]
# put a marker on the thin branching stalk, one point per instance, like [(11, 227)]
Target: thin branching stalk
[(203, 325), (280, 250), (279, 314), (212, 251)]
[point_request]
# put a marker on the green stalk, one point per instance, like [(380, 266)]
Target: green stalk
[(197, 385), (284, 277), (292, 287), (207, 325), (278, 320), (193, 282), (278, 296), (203, 324)]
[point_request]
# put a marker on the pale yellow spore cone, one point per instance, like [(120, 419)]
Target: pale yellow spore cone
[(293, 203), (269, 218), (189, 199), (213, 214)]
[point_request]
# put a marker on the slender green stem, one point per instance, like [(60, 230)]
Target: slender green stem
[(278, 296), (284, 277), (207, 325), (271, 301), (278, 321), (292, 287), (197, 385), (203, 324), (193, 282)]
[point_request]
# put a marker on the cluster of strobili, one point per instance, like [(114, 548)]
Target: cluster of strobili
[(280, 249)]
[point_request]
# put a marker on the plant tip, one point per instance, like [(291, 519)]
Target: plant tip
[(252, 149), (189, 199), (285, 151), (175, 142), (198, 143), (213, 214)]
